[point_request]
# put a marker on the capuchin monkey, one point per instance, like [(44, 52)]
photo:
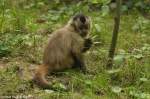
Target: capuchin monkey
[(65, 49)]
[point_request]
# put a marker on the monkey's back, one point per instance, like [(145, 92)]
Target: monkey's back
[(57, 54)]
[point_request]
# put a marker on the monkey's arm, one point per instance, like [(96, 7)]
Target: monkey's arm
[(79, 63), (76, 53), (87, 44)]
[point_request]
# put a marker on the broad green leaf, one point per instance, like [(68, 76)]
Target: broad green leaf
[(138, 56), (136, 27), (94, 1), (49, 91), (59, 86), (116, 89), (88, 82), (143, 79), (124, 8), (113, 71), (98, 29), (140, 95), (119, 59), (105, 10)]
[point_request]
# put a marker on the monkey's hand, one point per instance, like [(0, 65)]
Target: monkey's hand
[(87, 44)]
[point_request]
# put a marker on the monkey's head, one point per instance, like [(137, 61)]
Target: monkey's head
[(81, 24)]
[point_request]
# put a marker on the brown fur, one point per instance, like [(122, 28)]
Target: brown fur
[(58, 53)]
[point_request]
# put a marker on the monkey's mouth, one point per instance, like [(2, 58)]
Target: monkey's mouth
[(83, 33)]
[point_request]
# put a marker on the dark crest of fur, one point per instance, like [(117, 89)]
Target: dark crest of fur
[(81, 16)]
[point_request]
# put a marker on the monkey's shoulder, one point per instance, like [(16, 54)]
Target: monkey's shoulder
[(67, 34)]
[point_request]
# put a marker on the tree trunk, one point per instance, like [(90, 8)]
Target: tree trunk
[(114, 36)]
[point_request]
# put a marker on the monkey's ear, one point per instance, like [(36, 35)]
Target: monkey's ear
[(83, 19)]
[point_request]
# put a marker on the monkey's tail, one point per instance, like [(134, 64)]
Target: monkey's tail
[(40, 77)]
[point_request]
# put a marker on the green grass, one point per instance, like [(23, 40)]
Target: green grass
[(23, 39)]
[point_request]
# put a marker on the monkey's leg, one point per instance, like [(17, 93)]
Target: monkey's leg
[(39, 77), (79, 62), (87, 44)]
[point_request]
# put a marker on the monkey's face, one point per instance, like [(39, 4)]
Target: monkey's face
[(82, 24)]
